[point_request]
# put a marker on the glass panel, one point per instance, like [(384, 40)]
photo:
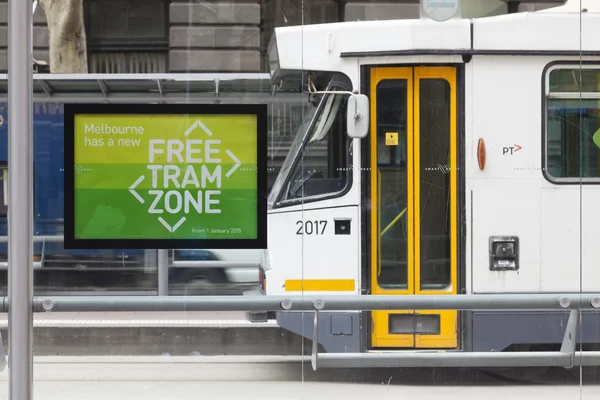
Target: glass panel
[(434, 137), (199, 50), (573, 138), (392, 157)]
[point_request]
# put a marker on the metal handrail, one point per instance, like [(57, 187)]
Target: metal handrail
[(566, 301), (567, 357), (36, 265), (40, 239), (175, 264)]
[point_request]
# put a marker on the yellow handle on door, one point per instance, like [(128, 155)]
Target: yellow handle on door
[(387, 228)]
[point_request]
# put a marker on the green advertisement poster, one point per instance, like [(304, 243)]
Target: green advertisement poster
[(165, 176)]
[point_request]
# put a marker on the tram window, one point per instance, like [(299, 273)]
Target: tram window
[(435, 189), (574, 80), (322, 167), (573, 125), (393, 198)]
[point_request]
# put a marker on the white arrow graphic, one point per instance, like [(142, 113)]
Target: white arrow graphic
[(169, 227), (196, 124), (133, 192), (237, 163)]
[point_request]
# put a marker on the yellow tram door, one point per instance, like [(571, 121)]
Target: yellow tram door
[(414, 201)]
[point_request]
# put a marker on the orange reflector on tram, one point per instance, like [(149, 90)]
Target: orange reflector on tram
[(481, 154)]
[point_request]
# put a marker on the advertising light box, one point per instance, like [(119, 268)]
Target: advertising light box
[(165, 176)]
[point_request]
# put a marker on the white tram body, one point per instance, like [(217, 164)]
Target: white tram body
[(480, 157)]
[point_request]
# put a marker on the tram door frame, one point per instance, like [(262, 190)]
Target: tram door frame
[(445, 322)]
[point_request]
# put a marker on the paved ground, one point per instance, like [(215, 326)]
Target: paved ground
[(274, 378), (146, 390)]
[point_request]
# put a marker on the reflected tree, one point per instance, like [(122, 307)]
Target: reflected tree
[(68, 48)]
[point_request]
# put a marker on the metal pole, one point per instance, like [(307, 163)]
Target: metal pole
[(150, 261), (163, 272), (20, 199)]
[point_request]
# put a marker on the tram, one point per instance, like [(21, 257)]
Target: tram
[(478, 174)]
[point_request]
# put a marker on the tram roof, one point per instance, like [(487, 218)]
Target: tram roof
[(170, 88), (561, 30)]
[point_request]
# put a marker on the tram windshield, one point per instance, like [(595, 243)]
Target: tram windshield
[(309, 114), (323, 113)]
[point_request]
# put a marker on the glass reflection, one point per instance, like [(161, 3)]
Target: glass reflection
[(404, 242)]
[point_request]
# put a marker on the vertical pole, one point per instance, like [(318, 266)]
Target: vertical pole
[(150, 261), (163, 272), (20, 199)]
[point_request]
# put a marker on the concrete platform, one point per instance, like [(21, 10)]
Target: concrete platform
[(215, 319), (156, 333), (150, 390), (271, 378)]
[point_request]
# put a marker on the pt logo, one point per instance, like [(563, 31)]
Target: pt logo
[(186, 176), (510, 150)]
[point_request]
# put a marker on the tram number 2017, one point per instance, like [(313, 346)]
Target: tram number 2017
[(311, 227)]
